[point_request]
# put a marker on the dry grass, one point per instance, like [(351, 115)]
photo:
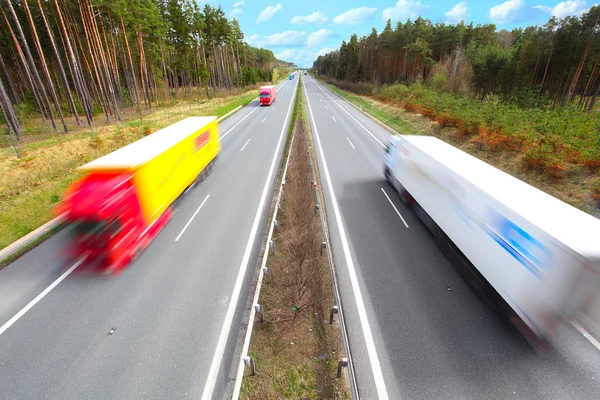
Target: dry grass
[(295, 349), (32, 184)]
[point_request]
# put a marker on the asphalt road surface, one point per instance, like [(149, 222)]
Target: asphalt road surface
[(162, 327), (416, 329)]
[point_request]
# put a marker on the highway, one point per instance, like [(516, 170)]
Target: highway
[(416, 330), (168, 327)]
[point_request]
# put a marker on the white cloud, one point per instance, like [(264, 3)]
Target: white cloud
[(325, 50), (237, 8), (458, 13), (268, 13), (301, 57), (318, 37), (403, 10), (315, 18), (287, 38), (507, 12), (355, 16), (566, 8)]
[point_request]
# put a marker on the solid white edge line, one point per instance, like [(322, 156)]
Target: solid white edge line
[(40, 296), (263, 120), (360, 305), (240, 374), (334, 118), (395, 209), (350, 143), (245, 116), (245, 144), (191, 219), (219, 352), (585, 334), (346, 111)]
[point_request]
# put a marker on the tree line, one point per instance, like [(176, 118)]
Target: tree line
[(90, 57), (558, 63)]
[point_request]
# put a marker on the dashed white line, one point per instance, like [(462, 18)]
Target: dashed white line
[(239, 122), (334, 118), (395, 209), (585, 334), (360, 305), (215, 365), (263, 120), (191, 219), (350, 143), (246, 144), (346, 111), (326, 107), (40, 297)]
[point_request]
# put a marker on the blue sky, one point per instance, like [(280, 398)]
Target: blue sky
[(300, 30)]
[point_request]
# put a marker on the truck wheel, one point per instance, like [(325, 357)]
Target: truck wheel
[(388, 176)]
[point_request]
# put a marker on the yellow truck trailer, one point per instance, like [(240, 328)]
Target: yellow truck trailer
[(125, 197)]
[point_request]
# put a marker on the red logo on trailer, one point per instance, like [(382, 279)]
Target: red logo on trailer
[(202, 140)]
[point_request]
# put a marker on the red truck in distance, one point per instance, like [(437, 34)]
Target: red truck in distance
[(267, 95)]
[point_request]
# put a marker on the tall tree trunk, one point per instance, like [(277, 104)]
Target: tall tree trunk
[(546, 70), (61, 69), (7, 109), (26, 69), (38, 47), (133, 74), (15, 96), (36, 77), (77, 73)]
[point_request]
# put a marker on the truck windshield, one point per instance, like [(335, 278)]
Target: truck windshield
[(88, 227), (265, 95)]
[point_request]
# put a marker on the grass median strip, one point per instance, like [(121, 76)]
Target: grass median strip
[(295, 349)]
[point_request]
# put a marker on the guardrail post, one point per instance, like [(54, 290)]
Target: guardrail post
[(341, 364), (272, 246), (323, 247), (260, 311), (276, 225), (332, 311), (317, 209), (267, 272), (249, 362)]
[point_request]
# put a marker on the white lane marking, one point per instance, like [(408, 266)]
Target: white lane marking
[(263, 120), (220, 350), (246, 116), (272, 108), (40, 296), (239, 122), (346, 111), (333, 118), (321, 100), (350, 143), (360, 305), (248, 141), (191, 219), (581, 330), (395, 209), (326, 108)]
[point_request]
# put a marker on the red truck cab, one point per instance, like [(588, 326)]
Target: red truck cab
[(267, 95), (107, 223)]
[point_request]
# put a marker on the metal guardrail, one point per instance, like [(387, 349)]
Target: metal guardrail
[(337, 308), (256, 307), (244, 359)]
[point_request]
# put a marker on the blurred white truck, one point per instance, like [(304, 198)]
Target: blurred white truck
[(540, 256)]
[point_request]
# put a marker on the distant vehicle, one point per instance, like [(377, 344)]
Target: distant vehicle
[(125, 197), (291, 77), (540, 256), (268, 94)]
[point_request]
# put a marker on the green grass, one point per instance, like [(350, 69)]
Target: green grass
[(390, 120), (31, 186)]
